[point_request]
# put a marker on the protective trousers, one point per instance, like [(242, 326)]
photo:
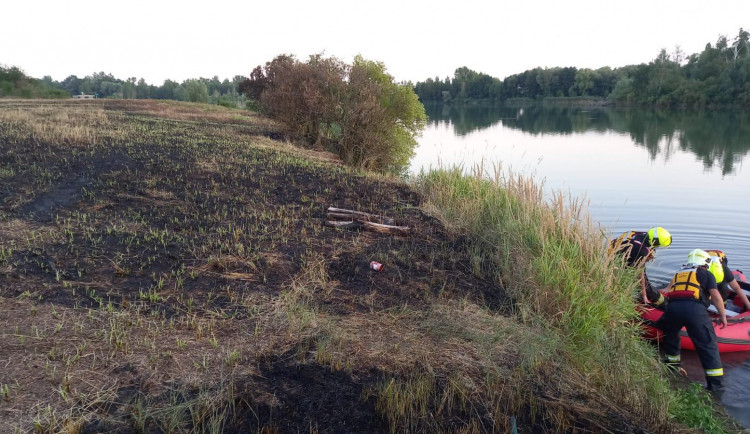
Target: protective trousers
[(693, 316)]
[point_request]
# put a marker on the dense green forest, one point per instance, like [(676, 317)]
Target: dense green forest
[(717, 76), (215, 91), (15, 83)]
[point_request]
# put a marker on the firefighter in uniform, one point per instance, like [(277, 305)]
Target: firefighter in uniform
[(637, 249), (689, 293), (725, 281)]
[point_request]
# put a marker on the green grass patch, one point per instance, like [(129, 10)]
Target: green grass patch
[(551, 259), (693, 407)]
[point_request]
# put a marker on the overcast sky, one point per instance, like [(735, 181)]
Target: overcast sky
[(415, 39)]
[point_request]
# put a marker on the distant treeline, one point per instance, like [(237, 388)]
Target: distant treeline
[(15, 83), (717, 76)]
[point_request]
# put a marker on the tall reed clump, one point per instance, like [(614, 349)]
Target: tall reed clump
[(551, 259)]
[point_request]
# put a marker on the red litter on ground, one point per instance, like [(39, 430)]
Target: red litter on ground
[(377, 266)]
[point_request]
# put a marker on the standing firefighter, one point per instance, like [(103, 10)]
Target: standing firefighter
[(689, 293), (637, 248)]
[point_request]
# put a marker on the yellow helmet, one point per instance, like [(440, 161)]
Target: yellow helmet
[(716, 268), (658, 236), (698, 257)]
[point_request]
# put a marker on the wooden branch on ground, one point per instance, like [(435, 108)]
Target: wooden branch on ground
[(350, 219), (348, 214), (371, 226)]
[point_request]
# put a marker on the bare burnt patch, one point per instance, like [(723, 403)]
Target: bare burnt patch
[(310, 396)]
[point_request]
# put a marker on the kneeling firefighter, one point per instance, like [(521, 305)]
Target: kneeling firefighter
[(726, 281), (689, 293)]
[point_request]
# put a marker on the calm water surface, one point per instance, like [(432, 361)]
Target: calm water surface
[(637, 168)]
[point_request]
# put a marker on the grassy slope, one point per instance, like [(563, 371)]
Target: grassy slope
[(164, 266)]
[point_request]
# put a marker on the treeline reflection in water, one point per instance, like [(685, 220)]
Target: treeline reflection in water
[(719, 138)]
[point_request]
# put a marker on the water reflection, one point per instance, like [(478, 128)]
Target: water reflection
[(718, 138)]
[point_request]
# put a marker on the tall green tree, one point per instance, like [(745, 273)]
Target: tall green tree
[(584, 82), (142, 89), (196, 90)]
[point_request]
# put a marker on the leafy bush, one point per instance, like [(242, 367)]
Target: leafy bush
[(357, 110)]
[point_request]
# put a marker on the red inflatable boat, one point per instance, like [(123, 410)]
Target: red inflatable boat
[(732, 338)]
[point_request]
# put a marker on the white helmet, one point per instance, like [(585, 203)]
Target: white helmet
[(698, 257)]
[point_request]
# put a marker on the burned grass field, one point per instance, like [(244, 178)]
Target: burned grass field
[(165, 267)]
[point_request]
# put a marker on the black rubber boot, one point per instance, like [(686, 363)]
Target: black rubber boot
[(715, 385)]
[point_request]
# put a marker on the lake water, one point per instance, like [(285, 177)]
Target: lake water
[(637, 168)]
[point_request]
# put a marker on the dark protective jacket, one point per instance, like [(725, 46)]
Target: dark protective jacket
[(635, 246)]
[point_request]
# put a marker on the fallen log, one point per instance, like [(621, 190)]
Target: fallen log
[(371, 226), (348, 214)]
